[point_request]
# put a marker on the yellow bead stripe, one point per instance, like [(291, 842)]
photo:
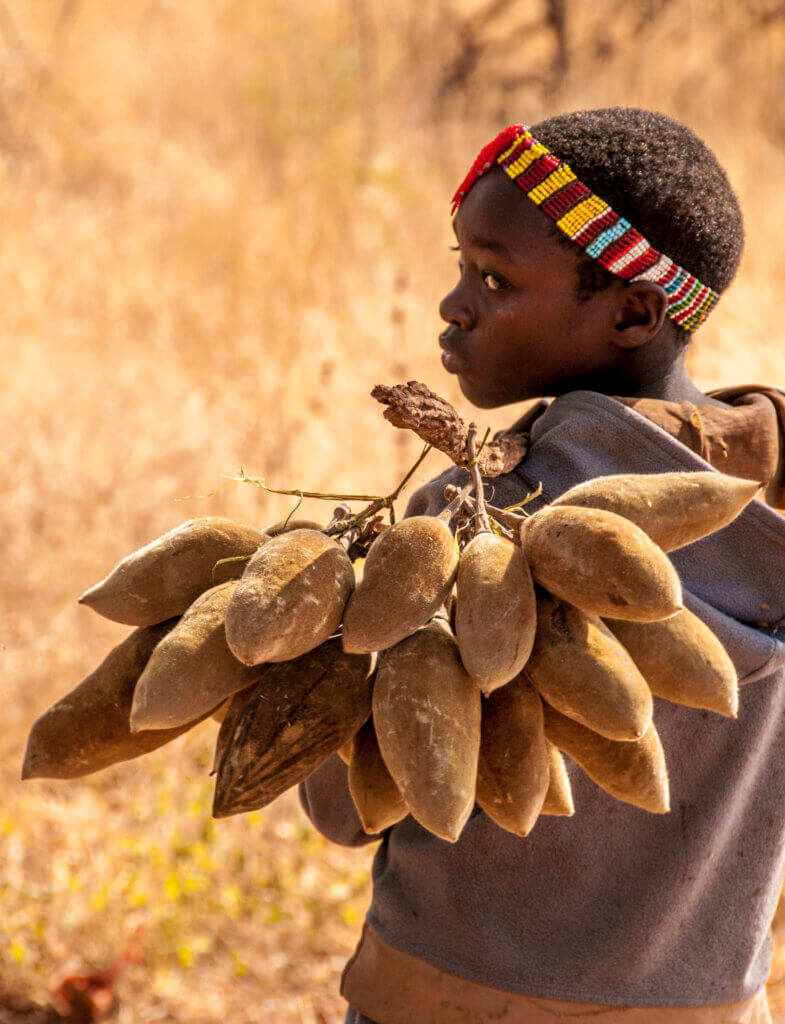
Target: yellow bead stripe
[(525, 160), (556, 179), (579, 216)]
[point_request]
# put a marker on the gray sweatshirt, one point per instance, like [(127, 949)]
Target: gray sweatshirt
[(615, 906)]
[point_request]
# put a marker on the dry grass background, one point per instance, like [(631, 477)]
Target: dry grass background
[(223, 222)]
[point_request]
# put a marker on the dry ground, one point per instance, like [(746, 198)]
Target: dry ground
[(223, 223)]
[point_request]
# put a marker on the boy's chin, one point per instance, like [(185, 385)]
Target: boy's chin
[(489, 398)]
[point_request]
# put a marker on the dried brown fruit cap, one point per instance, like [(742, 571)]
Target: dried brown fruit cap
[(414, 406)]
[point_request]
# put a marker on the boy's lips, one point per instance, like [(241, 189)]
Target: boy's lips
[(451, 360)]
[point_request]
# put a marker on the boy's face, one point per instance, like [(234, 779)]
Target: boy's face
[(516, 327)]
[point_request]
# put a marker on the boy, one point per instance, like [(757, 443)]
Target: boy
[(573, 237)]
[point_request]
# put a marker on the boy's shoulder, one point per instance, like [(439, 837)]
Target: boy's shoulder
[(739, 431)]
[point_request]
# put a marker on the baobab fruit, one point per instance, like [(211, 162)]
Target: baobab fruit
[(580, 668), (513, 771), (290, 599), (164, 578), (601, 562), (683, 661), (426, 712), (408, 574), (192, 670), (674, 509), (558, 799), (287, 525), (495, 616), (89, 729), (378, 800), (231, 709), (302, 711), (345, 752), (632, 772)]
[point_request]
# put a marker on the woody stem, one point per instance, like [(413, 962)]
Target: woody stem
[(481, 522)]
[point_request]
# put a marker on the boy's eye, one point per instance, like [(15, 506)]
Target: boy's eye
[(492, 282)]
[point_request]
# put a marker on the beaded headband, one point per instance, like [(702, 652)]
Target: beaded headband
[(590, 222)]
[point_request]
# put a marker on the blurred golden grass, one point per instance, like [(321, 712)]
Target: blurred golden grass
[(224, 222)]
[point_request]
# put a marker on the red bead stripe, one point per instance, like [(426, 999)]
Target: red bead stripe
[(643, 262), (619, 247), (557, 205)]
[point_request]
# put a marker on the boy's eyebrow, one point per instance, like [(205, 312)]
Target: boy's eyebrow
[(492, 245)]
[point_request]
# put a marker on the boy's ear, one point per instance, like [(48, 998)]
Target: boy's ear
[(640, 314)]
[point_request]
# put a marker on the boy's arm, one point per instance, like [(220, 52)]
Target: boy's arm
[(326, 799)]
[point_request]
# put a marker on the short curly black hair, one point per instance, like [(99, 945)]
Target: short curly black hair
[(662, 178)]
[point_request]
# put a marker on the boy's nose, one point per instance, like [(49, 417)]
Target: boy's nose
[(454, 309)]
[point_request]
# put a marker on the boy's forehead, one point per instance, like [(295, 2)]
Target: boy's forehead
[(496, 215)]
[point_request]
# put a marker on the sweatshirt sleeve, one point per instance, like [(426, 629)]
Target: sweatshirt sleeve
[(326, 799)]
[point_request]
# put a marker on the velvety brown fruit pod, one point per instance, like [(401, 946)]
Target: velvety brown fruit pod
[(376, 797), (192, 670), (287, 525), (558, 799), (407, 576), (221, 711), (290, 599), (582, 670), (674, 509), (495, 616), (89, 729), (345, 752), (632, 772), (165, 577), (426, 711), (514, 771), (602, 563), (231, 712), (301, 713), (683, 661)]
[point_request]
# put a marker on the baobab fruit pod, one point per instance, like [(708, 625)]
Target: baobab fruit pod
[(192, 670), (164, 578), (674, 509), (287, 525), (513, 771), (301, 712), (601, 562), (376, 797), (221, 711), (580, 668), (495, 615), (89, 729), (558, 799), (683, 661), (231, 709), (426, 712), (408, 574), (345, 751), (290, 598), (632, 772)]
